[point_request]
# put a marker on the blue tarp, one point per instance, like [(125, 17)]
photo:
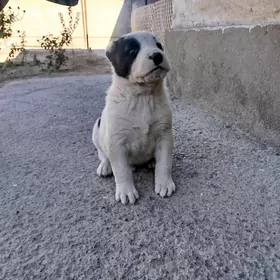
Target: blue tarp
[(65, 2)]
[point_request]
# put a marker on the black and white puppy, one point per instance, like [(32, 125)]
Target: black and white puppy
[(136, 123)]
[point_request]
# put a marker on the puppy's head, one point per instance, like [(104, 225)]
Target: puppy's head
[(138, 57)]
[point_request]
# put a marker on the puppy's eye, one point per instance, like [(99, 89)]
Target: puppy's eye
[(132, 51), (159, 45)]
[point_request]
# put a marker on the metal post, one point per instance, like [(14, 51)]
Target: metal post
[(85, 22)]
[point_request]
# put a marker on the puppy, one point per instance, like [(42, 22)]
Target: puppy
[(136, 124)]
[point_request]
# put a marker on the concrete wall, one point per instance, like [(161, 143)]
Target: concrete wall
[(199, 13), (234, 74), (225, 58)]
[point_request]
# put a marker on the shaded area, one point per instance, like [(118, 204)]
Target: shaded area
[(3, 3), (122, 25)]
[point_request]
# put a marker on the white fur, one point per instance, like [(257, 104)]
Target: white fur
[(136, 126)]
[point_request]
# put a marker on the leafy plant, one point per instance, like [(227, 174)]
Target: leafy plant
[(14, 49), (7, 19), (55, 44), (67, 31), (57, 56)]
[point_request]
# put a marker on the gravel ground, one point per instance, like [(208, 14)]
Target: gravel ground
[(58, 220)]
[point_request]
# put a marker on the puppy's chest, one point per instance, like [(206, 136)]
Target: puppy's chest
[(146, 128), (146, 120), (142, 138), (143, 122)]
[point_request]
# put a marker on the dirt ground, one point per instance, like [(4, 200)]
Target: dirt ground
[(80, 62), (59, 220)]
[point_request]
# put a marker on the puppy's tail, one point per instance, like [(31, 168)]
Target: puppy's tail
[(95, 133)]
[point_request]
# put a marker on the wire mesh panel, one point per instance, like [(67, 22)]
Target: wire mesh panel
[(156, 17)]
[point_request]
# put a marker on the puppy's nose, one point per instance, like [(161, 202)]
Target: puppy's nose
[(157, 58)]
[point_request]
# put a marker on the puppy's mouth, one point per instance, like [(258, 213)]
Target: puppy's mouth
[(155, 69)]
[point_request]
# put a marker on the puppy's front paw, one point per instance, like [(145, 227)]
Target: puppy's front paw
[(104, 169), (126, 193), (165, 188)]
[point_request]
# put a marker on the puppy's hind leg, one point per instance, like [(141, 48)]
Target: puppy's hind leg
[(104, 168)]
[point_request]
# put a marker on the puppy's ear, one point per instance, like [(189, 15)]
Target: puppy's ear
[(111, 50)]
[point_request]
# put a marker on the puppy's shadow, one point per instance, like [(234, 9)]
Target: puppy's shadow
[(148, 166)]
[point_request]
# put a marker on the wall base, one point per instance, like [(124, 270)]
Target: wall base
[(233, 73)]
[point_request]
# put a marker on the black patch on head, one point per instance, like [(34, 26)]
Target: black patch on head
[(99, 121), (122, 55)]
